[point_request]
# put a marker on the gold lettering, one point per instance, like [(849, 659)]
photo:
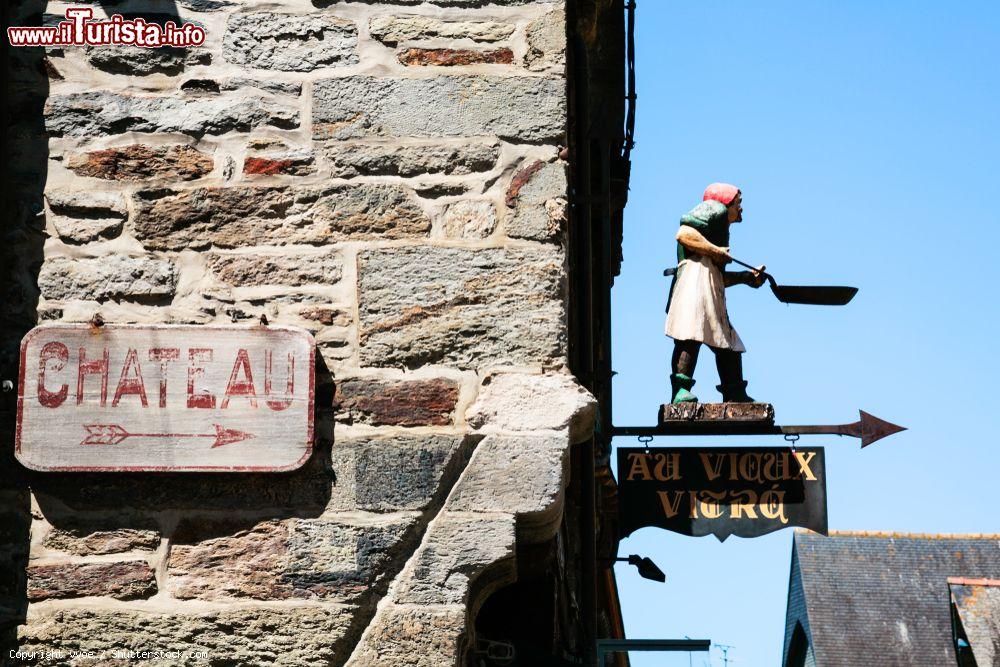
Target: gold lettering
[(783, 470), (713, 470), (711, 508), (750, 468), (772, 504), (747, 500), (769, 460), (638, 467), (668, 467), (803, 459), (671, 507)]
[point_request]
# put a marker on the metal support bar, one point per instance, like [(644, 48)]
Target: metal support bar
[(606, 646), (703, 428), (869, 429)]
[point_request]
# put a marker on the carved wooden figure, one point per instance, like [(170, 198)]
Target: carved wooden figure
[(696, 310)]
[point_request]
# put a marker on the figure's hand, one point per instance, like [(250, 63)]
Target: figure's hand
[(757, 276), (723, 257)]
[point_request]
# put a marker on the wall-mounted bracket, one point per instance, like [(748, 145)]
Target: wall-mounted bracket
[(868, 428)]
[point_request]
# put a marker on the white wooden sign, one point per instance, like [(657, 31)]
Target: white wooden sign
[(165, 398)]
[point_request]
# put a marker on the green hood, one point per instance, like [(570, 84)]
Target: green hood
[(709, 218)]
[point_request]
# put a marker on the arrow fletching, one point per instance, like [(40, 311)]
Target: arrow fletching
[(104, 434)]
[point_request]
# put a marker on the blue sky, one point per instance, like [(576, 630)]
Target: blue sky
[(863, 136)]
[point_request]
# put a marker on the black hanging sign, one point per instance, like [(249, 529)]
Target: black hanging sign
[(721, 491)]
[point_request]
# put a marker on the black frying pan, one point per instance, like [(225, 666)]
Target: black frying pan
[(816, 296)]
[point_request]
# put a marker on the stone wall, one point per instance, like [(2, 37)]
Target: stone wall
[(387, 175)]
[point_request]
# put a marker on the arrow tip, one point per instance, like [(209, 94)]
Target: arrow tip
[(227, 436), (874, 429)]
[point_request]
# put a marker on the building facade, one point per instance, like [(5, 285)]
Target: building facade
[(893, 599), (418, 186)]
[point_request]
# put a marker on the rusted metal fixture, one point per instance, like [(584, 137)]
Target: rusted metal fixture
[(869, 429)]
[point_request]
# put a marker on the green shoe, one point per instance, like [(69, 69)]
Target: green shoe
[(735, 392), (680, 386)]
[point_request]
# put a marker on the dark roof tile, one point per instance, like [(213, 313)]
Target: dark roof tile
[(978, 604), (882, 598)]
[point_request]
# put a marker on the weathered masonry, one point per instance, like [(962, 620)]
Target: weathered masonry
[(434, 191)]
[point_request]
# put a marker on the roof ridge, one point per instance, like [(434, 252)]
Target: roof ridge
[(972, 581), (896, 534)]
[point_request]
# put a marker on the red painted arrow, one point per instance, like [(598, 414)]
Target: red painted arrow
[(112, 434)]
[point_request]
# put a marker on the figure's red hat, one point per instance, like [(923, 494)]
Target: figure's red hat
[(721, 192)]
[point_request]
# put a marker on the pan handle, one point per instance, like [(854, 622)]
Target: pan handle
[(744, 264), (767, 276)]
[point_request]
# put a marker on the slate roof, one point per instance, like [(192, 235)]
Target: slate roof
[(978, 605), (883, 598)]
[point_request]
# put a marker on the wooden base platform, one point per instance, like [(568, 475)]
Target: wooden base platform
[(708, 419), (713, 413)]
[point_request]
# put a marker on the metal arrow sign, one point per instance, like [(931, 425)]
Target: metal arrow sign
[(112, 434), (869, 428)]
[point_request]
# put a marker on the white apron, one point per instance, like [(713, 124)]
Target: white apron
[(698, 306)]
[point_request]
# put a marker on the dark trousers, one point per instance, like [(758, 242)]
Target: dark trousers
[(728, 362)]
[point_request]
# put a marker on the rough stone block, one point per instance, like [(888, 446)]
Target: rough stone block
[(246, 216), (126, 580), (279, 560), (283, 165), (326, 315), (394, 473), (470, 219), (394, 29), (85, 230), (359, 159), (413, 636), (468, 308), (546, 41), (205, 5), (111, 277), (256, 269), (136, 61), (521, 108), (270, 86), (444, 57), (300, 636), (99, 113), (139, 162), (86, 203), (81, 216), (290, 42), (457, 549), (537, 194), (525, 402), (334, 351), (194, 5), (479, 3), (83, 541), (538, 464), (305, 489), (396, 403)]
